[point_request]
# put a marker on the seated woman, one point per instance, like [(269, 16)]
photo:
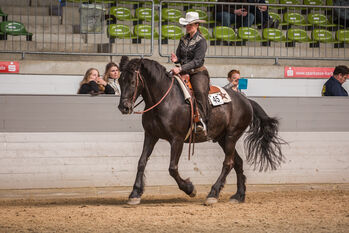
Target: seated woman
[(111, 76), (93, 84)]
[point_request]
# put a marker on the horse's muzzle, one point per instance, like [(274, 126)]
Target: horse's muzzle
[(125, 107)]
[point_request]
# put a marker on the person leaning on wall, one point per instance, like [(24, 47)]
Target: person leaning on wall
[(333, 86), (111, 76), (93, 84), (233, 78)]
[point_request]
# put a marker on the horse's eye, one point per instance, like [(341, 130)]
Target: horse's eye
[(133, 83)]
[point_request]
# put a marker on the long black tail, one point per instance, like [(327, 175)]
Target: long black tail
[(262, 142)]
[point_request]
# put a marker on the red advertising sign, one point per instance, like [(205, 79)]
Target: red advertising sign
[(308, 72), (9, 66)]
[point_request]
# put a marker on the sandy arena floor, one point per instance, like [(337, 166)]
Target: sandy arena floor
[(270, 210)]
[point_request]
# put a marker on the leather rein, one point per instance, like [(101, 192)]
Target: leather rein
[(139, 77)]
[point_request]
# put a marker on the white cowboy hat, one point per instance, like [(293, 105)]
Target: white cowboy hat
[(191, 17)]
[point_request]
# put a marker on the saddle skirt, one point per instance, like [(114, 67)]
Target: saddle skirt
[(217, 95)]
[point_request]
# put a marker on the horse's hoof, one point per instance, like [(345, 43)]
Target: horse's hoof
[(211, 201), (134, 201), (193, 194)]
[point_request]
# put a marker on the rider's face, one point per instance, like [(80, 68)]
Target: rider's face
[(192, 28)]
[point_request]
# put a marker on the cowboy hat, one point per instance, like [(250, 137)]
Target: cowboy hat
[(191, 17)]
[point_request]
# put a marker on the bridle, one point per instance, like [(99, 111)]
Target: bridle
[(139, 79)]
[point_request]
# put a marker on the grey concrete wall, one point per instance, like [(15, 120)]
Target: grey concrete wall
[(82, 141)]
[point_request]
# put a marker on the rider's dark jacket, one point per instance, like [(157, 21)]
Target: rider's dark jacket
[(191, 52)]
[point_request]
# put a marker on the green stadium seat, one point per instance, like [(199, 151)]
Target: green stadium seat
[(250, 34), (172, 32), (297, 35), (273, 35), (104, 1), (78, 1), (3, 15), (204, 31), (293, 2), (314, 3), (225, 34), (320, 20), (342, 35), (14, 28), (202, 15), (329, 2), (144, 31), (277, 16), (171, 15), (144, 14), (323, 36), (119, 31), (297, 19), (122, 14), (277, 8)]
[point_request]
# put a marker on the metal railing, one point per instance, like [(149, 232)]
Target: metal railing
[(264, 48), (62, 29), (75, 28)]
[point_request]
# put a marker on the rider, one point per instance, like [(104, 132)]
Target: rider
[(190, 54)]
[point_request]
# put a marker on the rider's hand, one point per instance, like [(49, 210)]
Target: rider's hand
[(174, 57), (176, 70)]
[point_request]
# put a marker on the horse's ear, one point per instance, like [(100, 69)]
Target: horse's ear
[(123, 63)]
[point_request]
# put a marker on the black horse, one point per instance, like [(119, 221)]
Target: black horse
[(170, 120)]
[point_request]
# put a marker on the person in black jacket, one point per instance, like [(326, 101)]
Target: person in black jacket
[(333, 86), (93, 84), (239, 15), (190, 54)]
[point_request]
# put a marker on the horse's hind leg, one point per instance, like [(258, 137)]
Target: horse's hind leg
[(184, 185), (239, 196), (228, 145), (138, 187)]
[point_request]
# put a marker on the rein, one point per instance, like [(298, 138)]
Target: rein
[(139, 77)]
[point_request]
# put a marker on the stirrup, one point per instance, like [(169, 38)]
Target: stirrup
[(201, 127)]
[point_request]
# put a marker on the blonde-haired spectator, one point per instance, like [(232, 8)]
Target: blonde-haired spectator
[(112, 75), (93, 84)]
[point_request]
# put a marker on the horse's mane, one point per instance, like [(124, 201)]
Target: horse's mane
[(154, 68)]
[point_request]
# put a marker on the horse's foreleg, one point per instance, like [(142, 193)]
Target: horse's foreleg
[(138, 187), (184, 185), (239, 196), (228, 145)]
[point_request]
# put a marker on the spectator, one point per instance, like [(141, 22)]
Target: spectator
[(341, 15), (333, 86), (262, 16), (233, 78), (93, 84), (234, 14), (111, 76)]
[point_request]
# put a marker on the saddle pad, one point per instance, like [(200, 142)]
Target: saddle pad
[(214, 91)]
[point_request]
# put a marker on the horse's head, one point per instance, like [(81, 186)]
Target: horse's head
[(131, 83)]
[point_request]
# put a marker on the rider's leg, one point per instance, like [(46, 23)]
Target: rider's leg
[(200, 82)]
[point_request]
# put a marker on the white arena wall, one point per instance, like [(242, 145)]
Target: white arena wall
[(82, 141), (69, 85)]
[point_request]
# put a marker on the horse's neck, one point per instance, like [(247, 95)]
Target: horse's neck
[(155, 88)]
